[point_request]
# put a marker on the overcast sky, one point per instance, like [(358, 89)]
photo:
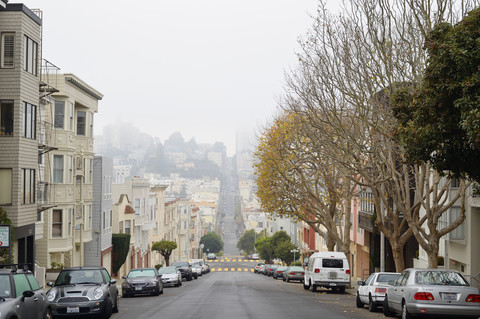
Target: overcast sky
[(204, 68)]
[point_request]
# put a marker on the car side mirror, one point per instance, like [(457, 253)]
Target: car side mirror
[(50, 284), (361, 283), (113, 282), (159, 276), (27, 294), (124, 277)]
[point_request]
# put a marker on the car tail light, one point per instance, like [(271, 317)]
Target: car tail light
[(423, 296), (473, 298), (317, 270), (291, 273), (347, 271), (380, 290)]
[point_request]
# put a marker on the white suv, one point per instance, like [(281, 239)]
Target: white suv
[(327, 269)]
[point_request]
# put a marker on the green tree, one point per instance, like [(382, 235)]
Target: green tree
[(283, 251), (212, 242), (264, 247), (247, 241), (165, 248), (120, 248), (279, 237), (440, 122)]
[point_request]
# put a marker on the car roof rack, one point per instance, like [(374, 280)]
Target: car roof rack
[(24, 266)]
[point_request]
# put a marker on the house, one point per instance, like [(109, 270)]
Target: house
[(20, 78)]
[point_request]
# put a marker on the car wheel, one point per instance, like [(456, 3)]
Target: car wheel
[(124, 295), (371, 305), (115, 304), (405, 313), (48, 314), (386, 309), (314, 287), (161, 291), (108, 308), (359, 302), (306, 287), (189, 278), (285, 279)]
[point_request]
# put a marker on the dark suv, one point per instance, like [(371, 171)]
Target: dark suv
[(184, 268), (21, 296)]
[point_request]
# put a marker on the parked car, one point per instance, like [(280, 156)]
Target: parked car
[(271, 269), (142, 281), (278, 273), (171, 276), (327, 269), (257, 267), (294, 273), (255, 257), (205, 268), (432, 292), (21, 296), (261, 269), (196, 269), (184, 268), (372, 290), (88, 291), (211, 256)]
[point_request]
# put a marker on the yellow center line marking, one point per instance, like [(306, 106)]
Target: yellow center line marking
[(251, 270), (233, 269), (239, 269), (245, 269), (226, 269), (213, 269)]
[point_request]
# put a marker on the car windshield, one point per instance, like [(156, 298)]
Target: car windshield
[(141, 273), (5, 291), (167, 271), (180, 264), (79, 276), (282, 268), (296, 268), (332, 263), (445, 278), (385, 278)]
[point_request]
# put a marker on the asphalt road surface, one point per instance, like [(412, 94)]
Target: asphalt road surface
[(232, 290)]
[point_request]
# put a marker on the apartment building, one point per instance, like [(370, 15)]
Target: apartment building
[(138, 192), (99, 250), (20, 53), (68, 167), (157, 233)]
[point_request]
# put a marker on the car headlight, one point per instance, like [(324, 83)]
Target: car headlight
[(51, 295), (153, 283), (98, 293), (125, 284)]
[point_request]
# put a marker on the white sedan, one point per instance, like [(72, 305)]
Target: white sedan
[(372, 290)]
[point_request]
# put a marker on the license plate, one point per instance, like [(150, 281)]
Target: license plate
[(449, 296), (73, 309), (138, 288)]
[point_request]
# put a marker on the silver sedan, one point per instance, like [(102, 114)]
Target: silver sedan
[(432, 292)]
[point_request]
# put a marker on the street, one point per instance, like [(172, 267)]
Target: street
[(232, 290)]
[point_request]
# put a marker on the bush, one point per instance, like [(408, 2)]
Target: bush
[(297, 263), (56, 266), (158, 266)]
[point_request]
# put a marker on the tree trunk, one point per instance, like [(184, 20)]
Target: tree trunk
[(433, 257), (330, 242), (398, 258), (167, 260)]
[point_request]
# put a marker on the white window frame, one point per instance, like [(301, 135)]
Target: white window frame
[(58, 171)]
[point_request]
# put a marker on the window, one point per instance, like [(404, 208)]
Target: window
[(70, 169), (28, 186), (30, 56), (137, 206), (90, 208), (21, 284), (7, 50), (459, 232), (6, 118), (104, 220), (29, 120), (59, 114), (127, 227), (72, 115), (81, 122), (90, 170), (91, 126), (58, 168), (33, 282), (57, 223), (70, 218), (455, 182), (5, 186), (111, 217), (120, 226)]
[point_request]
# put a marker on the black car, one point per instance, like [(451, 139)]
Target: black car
[(184, 268), (142, 281), (21, 296), (86, 291)]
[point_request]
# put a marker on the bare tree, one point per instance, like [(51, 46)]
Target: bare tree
[(349, 67)]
